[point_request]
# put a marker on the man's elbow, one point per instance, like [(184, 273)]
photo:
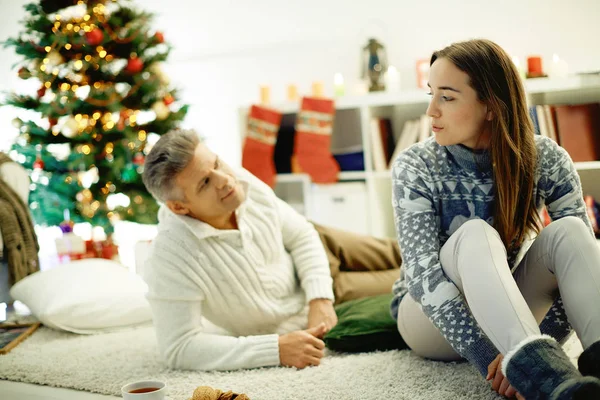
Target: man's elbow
[(170, 356)]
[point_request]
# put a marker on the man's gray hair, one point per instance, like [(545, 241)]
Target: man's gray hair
[(169, 156)]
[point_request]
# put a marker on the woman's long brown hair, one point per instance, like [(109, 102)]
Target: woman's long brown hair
[(512, 145)]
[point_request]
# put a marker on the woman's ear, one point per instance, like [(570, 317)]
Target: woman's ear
[(489, 115)]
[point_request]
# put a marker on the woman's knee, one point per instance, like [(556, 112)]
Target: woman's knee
[(476, 233), (476, 229), (473, 239), (568, 226)]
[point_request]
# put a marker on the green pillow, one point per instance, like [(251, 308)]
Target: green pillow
[(365, 325)]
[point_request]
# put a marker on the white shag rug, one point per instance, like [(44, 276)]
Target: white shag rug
[(103, 363)]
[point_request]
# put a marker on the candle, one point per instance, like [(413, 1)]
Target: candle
[(392, 79), (265, 95), (559, 68), (338, 84), (519, 67), (292, 93), (317, 89), (534, 66)]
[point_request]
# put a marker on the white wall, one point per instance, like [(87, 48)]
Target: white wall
[(225, 50)]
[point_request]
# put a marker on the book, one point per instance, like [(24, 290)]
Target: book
[(377, 146), (408, 137), (579, 130), (550, 122), (541, 117), (387, 138), (534, 120)]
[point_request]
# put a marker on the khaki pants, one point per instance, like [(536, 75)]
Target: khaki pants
[(509, 307), (360, 265)]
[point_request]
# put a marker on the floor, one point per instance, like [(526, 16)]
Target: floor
[(27, 391)]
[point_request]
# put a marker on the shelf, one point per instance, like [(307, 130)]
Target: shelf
[(416, 96), (292, 178), (587, 165), (363, 175), (572, 82), (365, 100), (342, 176), (579, 166), (352, 175)]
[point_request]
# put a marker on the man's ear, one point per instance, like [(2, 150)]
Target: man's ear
[(177, 207)]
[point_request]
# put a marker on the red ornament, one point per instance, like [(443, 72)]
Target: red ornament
[(168, 99), (134, 65), (41, 91), (139, 159), (53, 121), (160, 38), (38, 164), (24, 73), (94, 37), (123, 115)]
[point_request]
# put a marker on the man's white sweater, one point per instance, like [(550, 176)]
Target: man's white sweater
[(255, 282)]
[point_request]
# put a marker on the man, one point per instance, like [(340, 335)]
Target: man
[(230, 252)]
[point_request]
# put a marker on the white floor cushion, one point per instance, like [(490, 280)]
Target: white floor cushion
[(86, 296)]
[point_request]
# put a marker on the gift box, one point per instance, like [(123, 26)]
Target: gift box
[(71, 247)]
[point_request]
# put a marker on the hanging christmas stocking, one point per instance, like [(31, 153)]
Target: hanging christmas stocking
[(259, 145), (312, 155)]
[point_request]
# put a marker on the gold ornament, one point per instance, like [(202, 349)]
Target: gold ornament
[(54, 59), (161, 110), (70, 128), (156, 70)]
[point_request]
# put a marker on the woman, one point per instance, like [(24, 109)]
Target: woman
[(481, 279)]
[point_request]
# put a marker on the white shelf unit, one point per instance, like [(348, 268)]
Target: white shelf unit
[(370, 212)]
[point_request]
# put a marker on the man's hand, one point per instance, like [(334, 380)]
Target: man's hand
[(321, 311), (301, 349), (500, 383)]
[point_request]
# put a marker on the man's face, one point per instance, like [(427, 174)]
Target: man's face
[(211, 191)]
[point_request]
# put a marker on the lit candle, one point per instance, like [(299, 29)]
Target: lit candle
[(520, 70), (338, 84), (317, 89), (265, 95), (292, 93), (559, 68), (392, 79)]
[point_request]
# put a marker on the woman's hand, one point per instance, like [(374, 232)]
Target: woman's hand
[(500, 383)]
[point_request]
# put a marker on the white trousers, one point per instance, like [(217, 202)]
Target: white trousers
[(564, 258)]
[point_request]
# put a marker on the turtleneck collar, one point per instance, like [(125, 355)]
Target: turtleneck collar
[(469, 159)]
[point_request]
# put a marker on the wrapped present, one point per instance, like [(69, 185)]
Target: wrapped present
[(71, 247)]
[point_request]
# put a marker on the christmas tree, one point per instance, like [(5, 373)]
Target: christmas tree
[(101, 102)]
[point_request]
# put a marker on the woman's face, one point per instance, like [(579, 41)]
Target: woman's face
[(458, 116)]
